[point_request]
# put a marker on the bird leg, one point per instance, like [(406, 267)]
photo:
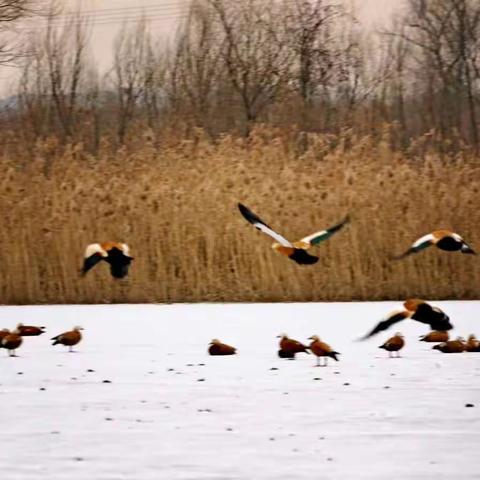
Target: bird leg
[(70, 349)]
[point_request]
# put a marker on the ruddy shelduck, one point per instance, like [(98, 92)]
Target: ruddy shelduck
[(394, 344), (442, 239), (218, 348), (116, 254), (418, 310), (69, 339), (296, 251), (322, 350)]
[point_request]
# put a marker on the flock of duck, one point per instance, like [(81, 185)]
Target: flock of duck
[(117, 255), (414, 308), (11, 340)]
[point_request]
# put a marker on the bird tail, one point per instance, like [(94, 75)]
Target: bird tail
[(436, 347), (334, 355)]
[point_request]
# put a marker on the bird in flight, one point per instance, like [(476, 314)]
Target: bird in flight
[(117, 255), (442, 239), (297, 251), (418, 310)]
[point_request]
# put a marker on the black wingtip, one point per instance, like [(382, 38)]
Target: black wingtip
[(402, 255)]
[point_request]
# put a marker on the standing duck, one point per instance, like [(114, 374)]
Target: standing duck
[(29, 330), (69, 339), (435, 336), (218, 348), (322, 350), (394, 344), (117, 255), (452, 346), (11, 342), (296, 251), (289, 347), (442, 239), (418, 310)]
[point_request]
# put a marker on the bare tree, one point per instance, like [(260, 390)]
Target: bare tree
[(445, 35), (198, 68), (136, 76), (11, 12), (256, 52)]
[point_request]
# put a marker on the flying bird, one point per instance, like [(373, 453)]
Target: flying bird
[(69, 339), (322, 350), (452, 346), (418, 310), (394, 344), (297, 251), (442, 239), (11, 342), (289, 347), (117, 255), (218, 348), (29, 330)]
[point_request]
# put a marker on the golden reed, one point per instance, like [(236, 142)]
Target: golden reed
[(176, 207)]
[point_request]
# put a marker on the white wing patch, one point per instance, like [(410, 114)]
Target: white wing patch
[(95, 248), (424, 239), (276, 236), (309, 238), (125, 249)]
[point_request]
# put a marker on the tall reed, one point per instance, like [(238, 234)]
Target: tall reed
[(176, 207)]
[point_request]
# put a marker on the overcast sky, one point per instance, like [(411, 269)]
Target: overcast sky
[(108, 15)]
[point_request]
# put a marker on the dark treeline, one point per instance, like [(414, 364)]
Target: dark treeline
[(305, 65)]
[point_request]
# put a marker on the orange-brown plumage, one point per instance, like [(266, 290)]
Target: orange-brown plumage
[(11, 342), (452, 346), (29, 330), (322, 350), (69, 339), (218, 348), (290, 347), (472, 345), (3, 333), (394, 344), (435, 336)]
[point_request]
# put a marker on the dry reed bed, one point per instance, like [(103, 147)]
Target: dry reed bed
[(176, 207)]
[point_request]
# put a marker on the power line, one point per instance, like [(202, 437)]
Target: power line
[(112, 13)]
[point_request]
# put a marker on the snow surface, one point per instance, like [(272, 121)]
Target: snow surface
[(172, 412)]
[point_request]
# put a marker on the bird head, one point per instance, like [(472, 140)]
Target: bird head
[(460, 339), (215, 341), (315, 338), (282, 335), (412, 304), (399, 334), (77, 329)]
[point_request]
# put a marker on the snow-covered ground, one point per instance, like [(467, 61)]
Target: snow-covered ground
[(172, 412)]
